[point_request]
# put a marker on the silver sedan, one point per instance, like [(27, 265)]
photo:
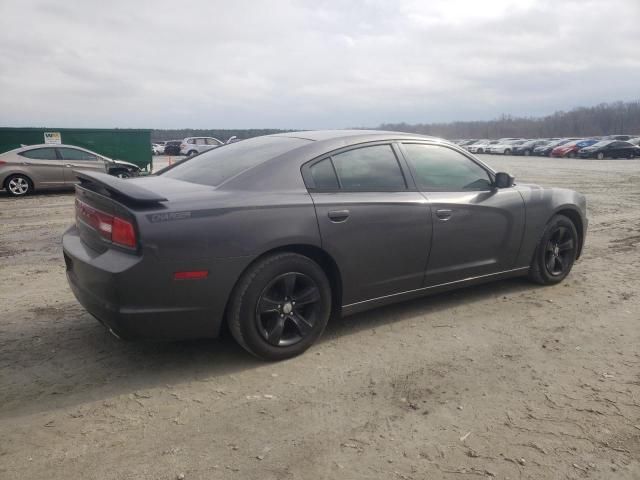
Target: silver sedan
[(40, 167)]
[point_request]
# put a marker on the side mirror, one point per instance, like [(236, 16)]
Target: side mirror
[(503, 180)]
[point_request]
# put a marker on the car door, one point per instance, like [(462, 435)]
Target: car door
[(44, 166), (201, 144), (477, 229), (375, 226), (77, 159), (623, 149)]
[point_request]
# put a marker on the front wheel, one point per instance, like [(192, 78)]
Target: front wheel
[(527, 153), (556, 252), (280, 306), (600, 156), (120, 173), (507, 151)]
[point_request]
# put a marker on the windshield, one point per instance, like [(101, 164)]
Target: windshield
[(215, 166)]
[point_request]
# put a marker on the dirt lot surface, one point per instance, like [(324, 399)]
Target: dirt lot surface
[(507, 380)]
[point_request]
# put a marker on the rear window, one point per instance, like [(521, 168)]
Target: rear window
[(217, 165)]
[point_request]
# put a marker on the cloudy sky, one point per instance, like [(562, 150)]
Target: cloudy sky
[(309, 64)]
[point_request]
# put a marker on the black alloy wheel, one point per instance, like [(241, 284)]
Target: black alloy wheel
[(288, 309), (280, 307), (560, 251), (556, 252)]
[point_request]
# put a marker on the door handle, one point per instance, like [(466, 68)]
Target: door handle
[(444, 214), (338, 216)]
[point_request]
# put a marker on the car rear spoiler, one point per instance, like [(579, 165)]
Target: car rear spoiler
[(117, 187)]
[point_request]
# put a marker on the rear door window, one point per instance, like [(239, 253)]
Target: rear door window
[(324, 176), (369, 169), (40, 154)]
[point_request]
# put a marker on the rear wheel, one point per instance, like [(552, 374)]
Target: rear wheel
[(572, 155), (280, 307), (18, 185), (507, 151), (527, 153), (600, 156), (556, 252), (192, 153)]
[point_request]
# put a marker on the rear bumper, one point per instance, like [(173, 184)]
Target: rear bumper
[(137, 324), (138, 299)]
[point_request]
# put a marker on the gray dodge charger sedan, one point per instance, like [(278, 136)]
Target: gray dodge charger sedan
[(275, 234)]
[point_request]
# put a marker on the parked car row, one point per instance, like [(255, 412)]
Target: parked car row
[(189, 146), (613, 146)]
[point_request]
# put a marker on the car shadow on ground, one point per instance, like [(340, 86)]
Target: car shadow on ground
[(73, 359)]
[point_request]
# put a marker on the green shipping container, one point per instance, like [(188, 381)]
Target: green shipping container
[(122, 144)]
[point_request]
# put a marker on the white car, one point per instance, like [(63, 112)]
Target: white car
[(194, 145), (482, 146), (504, 147), (157, 148)]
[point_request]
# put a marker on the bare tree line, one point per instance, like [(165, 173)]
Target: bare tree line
[(603, 119)]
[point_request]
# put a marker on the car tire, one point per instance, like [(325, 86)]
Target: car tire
[(527, 153), (600, 156), (572, 155), (556, 253), (191, 153), (263, 316), (18, 185), (120, 173), (507, 151)]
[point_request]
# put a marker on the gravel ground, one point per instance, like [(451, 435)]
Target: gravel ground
[(506, 380)]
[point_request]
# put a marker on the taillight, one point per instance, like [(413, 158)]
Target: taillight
[(123, 233), (2, 162), (110, 227)]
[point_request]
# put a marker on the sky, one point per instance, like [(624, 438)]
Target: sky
[(310, 64)]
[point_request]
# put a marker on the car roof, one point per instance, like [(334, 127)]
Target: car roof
[(52, 145), (321, 135)]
